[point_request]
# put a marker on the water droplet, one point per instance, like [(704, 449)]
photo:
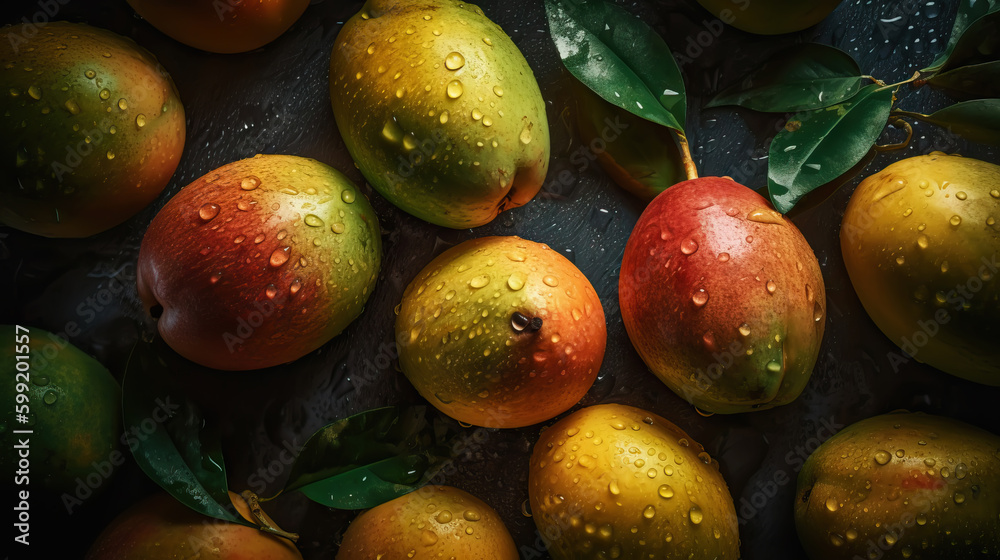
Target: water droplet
[(371, 48), (882, 457), (454, 61), (613, 487), (337, 228), (525, 136), (649, 512), (72, 106), (764, 216), (347, 196), (995, 193), (774, 366), (689, 246), (50, 397), (454, 89), (831, 504), (140, 120), (900, 260), (550, 281), (392, 132), (250, 183), (955, 220), (922, 241), (961, 471), (516, 281), (479, 281), (771, 287), (36, 93), (122, 104), (90, 74), (745, 329), (695, 515), (313, 220), (723, 257), (279, 256), (444, 516), (208, 211), (700, 298), (270, 291), (110, 154)]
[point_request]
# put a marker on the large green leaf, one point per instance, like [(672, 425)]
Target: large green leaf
[(620, 58), (169, 436), (364, 460), (970, 13), (818, 146), (797, 78), (975, 80), (977, 120)]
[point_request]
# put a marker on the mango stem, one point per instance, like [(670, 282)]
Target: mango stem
[(262, 523), (897, 122), (689, 167)]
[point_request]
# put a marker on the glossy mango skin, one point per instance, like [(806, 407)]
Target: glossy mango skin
[(93, 128), (74, 409), (614, 481), (770, 17), (161, 528), (439, 110), (902, 485), (259, 262), (921, 241), (459, 346), (222, 26), (640, 156), (722, 297), (428, 523)]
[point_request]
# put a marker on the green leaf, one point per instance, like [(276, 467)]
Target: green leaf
[(976, 80), (366, 459), (620, 58), (970, 13), (977, 120), (168, 436), (797, 78), (818, 146)]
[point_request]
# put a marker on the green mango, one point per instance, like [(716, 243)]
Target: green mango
[(439, 110)]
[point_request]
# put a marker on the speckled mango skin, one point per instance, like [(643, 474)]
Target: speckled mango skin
[(73, 101), (454, 147), (921, 242), (430, 523), (614, 481), (161, 528), (260, 262), (458, 347), (902, 485), (722, 297)]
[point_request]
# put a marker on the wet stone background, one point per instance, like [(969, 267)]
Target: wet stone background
[(276, 100)]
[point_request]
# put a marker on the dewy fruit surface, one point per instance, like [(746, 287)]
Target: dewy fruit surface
[(439, 109)]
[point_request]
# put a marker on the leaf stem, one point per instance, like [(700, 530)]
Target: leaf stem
[(263, 524), (897, 123), (689, 167)]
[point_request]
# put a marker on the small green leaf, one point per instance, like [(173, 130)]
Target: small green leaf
[(797, 78), (976, 80), (977, 120), (168, 436), (970, 13), (364, 460), (620, 58), (818, 146)]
